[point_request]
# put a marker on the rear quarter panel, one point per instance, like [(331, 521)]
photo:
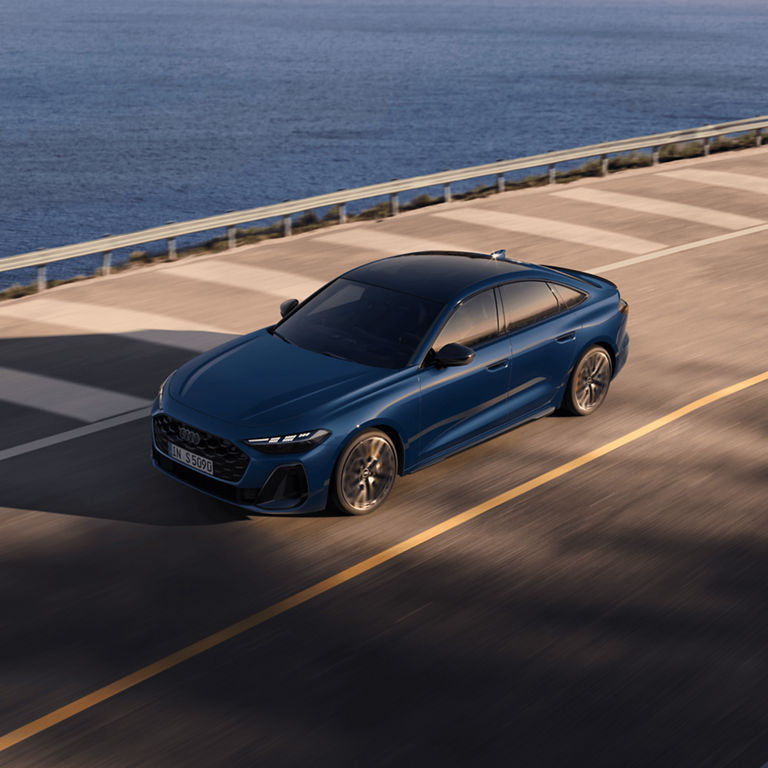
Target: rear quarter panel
[(602, 323)]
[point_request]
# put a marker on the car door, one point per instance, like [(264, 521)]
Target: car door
[(459, 403), (544, 341)]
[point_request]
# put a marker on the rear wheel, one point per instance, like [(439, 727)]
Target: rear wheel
[(589, 382), (365, 473)]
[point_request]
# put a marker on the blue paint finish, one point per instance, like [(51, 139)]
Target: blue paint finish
[(542, 358), (262, 386), (463, 402), (267, 382)]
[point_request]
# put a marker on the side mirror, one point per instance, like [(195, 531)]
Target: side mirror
[(288, 306), (454, 354)]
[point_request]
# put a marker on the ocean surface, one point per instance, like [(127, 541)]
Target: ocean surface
[(115, 116)]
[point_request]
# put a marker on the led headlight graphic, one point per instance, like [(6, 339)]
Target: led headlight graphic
[(161, 391), (293, 443)]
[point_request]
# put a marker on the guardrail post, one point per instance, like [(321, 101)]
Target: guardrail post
[(342, 208), (754, 127), (231, 236), (106, 262), (42, 283), (706, 146), (287, 226)]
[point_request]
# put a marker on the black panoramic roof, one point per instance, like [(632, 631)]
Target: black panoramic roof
[(436, 275)]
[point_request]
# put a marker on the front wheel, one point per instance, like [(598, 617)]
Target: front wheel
[(365, 473), (589, 382)]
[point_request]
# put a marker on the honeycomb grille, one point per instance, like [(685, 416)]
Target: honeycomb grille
[(229, 462)]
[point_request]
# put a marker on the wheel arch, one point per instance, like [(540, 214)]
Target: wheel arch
[(389, 431), (603, 342), (608, 347), (385, 426), (392, 433)]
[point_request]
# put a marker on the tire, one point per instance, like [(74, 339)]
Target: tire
[(365, 473), (589, 382)]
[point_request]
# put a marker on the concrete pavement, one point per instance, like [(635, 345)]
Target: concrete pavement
[(614, 616)]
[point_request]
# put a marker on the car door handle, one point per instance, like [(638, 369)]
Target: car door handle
[(498, 366), (566, 337)]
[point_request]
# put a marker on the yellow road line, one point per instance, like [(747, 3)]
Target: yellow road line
[(166, 663)]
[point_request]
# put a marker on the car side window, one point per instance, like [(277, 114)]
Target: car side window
[(568, 297), (526, 302), (474, 321)]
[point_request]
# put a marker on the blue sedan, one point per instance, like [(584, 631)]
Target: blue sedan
[(388, 368)]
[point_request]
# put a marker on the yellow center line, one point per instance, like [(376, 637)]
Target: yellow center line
[(298, 598)]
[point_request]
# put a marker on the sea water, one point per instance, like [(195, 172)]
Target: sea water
[(116, 116)]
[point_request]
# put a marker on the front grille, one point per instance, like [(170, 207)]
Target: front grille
[(229, 462), (206, 483)]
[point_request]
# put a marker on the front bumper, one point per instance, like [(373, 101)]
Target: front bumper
[(285, 489), (244, 476)]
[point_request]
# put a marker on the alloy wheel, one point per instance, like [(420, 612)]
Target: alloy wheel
[(367, 473), (593, 375)]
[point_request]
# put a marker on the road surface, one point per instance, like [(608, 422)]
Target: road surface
[(614, 612)]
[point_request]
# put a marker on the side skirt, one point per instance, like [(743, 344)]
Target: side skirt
[(480, 439)]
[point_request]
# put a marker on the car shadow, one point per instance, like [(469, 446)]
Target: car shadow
[(107, 474)]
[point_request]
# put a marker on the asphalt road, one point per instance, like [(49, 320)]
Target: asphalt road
[(613, 616)]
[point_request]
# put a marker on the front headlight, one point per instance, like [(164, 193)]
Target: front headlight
[(295, 443), (161, 391)]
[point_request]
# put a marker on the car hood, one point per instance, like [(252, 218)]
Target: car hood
[(263, 378)]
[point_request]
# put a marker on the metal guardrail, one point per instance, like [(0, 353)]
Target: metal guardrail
[(230, 221)]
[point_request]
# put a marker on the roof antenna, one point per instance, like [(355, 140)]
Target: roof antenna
[(500, 254)]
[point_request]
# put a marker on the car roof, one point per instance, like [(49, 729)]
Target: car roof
[(438, 275)]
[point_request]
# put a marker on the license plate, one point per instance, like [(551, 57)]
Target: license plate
[(200, 463)]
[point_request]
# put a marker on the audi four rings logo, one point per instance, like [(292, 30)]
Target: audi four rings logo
[(189, 435)]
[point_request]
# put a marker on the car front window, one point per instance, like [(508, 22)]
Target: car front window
[(473, 322), (363, 323)]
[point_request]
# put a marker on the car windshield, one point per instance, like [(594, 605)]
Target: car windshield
[(363, 323)]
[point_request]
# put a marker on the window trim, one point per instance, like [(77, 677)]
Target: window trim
[(426, 360), (546, 282), (584, 295)]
